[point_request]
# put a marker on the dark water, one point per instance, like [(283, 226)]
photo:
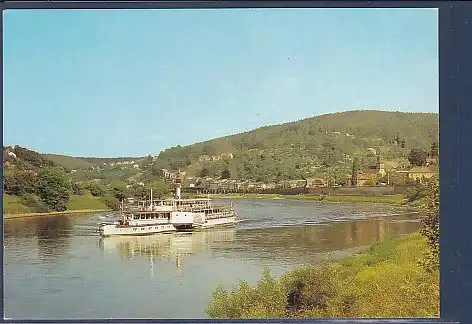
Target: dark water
[(58, 267)]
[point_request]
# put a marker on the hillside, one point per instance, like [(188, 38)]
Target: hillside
[(83, 163), (322, 146), (316, 145), (69, 162)]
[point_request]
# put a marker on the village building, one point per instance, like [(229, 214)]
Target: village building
[(365, 178), (316, 183), (420, 173), (371, 174)]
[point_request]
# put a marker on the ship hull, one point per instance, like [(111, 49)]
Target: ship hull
[(141, 230), (219, 222)]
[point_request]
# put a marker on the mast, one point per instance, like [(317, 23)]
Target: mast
[(151, 199)]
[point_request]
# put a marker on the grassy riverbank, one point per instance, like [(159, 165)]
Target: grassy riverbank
[(14, 207), (390, 199), (385, 281)]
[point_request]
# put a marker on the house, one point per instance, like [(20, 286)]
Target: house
[(420, 173), (271, 185), (364, 178), (315, 182), (297, 183)]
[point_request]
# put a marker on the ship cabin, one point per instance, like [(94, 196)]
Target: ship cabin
[(183, 204), (144, 218), (218, 212)]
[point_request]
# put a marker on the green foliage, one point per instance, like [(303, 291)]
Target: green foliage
[(77, 188), (431, 230), (118, 189), (96, 189), (28, 159), (355, 170), (434, 152), (54, 188), (19, 182), (86, 201), (308, 147), (417, 157), (419, 191), (263, 301), (35, 203), (14, 205), (160, 189), (384, 281), (226, 173), (68, 162), (204, 172), (111, 202)]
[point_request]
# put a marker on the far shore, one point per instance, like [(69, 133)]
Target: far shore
[(66, 212), (385, 199)]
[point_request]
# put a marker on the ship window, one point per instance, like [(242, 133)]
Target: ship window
[(136, 216), (142, 229), (147, 216), (143, 216)]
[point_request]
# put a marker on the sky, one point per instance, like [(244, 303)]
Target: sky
[(134, 82)]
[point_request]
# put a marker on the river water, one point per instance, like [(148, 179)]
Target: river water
[(57, 267)]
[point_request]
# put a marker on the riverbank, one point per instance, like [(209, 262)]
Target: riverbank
[(390, 199), (14, 207), (384, 281), (66, 212)]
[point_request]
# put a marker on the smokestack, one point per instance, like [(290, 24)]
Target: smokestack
[(177, 191)]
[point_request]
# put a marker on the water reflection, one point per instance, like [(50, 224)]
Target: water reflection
[(61, 260), (280, 244), (167, 247), (305, 243), (53, 234)]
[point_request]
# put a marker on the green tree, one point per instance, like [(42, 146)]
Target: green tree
[(19, 182), (355, 170), (77, 188), (159, 189), (434, 150), (417, 157), (204, 172), (54, 188), (431, 225), (403, 144), (225, 174), (96, 189), (118, 189)]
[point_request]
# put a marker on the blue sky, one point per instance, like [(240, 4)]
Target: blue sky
[(134, 82)]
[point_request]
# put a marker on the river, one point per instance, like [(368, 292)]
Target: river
[(57, 267)]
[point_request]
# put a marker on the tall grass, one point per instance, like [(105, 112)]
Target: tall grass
[(86, 202), (385, 281), (13, 205)]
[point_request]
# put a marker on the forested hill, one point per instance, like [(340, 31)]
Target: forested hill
[(318, 146), (306, 147), (71, 163)]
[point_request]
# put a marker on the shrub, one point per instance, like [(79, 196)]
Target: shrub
[(384, 281), (431, 230), (111, 202), (34, 202), (77, 189)]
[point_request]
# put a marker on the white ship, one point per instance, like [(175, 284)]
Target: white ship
[(170, 215)]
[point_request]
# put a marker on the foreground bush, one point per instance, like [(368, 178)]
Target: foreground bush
[(385, 281)]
